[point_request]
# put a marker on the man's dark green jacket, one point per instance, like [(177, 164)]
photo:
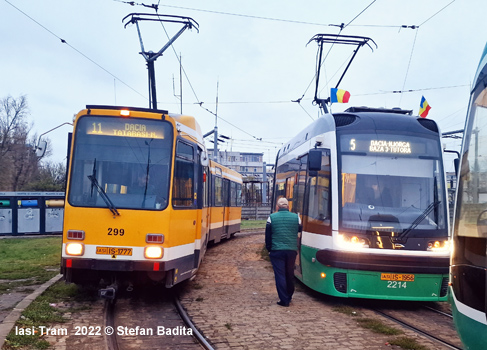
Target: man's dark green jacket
[(281, 230)]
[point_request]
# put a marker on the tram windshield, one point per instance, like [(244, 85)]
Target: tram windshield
[(471, 218), (121, 163), (392, 185)]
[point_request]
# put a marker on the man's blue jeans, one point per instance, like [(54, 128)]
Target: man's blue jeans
[(283, 264)]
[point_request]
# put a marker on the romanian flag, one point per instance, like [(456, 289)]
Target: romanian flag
[(339, 95), (424, 108)]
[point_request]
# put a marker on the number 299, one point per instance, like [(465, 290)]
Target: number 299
[(116, 231)]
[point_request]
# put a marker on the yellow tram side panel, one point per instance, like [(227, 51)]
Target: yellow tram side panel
[(224, 220), (216, 223), (233, 215)]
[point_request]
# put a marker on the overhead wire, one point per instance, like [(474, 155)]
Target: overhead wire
[(299, 104), (364, 94), (443, 119), (179, 59), (365, 9), (226, 121), (437, 12), (412, 90), (409, 64), (342, 26), (194, 93), (274, 19), (200, 103), (414, 44), (113, 75), (63, 41)]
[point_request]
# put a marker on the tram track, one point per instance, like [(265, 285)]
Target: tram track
[(151, 322), (110, 339), (438, 311), (435, 328)]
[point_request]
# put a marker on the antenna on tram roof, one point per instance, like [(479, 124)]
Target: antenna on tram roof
[(321, 39), (150, 56)]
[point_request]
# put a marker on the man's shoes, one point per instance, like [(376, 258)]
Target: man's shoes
[(281, 303)]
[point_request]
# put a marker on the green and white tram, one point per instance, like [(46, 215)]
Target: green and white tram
[(370, 189), (469, 256)]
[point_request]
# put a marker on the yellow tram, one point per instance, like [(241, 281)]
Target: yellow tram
[(143, 200)]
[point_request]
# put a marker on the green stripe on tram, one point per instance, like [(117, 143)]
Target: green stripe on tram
[(473, 334)]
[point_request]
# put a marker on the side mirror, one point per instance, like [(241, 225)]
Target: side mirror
[(314, 160), (40, 149), (204, 159), (456, 164)]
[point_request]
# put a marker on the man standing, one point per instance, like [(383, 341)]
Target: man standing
[(281, 235)]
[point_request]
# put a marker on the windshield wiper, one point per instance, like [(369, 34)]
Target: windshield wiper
[(103, 195), (93, 173), (420, 218)]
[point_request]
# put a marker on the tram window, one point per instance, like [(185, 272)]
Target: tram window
[(472, 192), (233, 194), (300, 186), (280, 188), (184, 150), (290, 191), (285, 181), (226, 192), (318, 214), (205, 187), (239, 195), (184, 186), (218, 190)]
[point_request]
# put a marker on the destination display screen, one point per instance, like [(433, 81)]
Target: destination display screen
[(387, 145), (115, 126)]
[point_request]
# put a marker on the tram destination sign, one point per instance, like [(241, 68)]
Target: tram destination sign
[(383, 144), (123, 127)]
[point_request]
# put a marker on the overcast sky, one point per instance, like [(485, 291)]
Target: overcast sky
[(255, 50)]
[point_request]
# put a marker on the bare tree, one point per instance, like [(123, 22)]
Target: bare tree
[(13, 115), (17, 161)]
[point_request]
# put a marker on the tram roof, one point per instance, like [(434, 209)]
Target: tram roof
[(226, 172), (362, 118)]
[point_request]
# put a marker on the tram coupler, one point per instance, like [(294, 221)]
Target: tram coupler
[(109, 292)]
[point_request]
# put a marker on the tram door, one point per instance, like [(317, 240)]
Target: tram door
[(205, 212), (220, 198), (226, 205), (299, 195)]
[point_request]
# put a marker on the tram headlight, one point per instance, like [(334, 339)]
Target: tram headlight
[(153, 252), (438, 246), (352, 242), (76, 249)]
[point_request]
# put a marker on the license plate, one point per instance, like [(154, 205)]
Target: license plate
[(113, 251), (397, 277)]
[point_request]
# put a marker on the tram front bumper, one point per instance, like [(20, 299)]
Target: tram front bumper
[(384, 262)]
